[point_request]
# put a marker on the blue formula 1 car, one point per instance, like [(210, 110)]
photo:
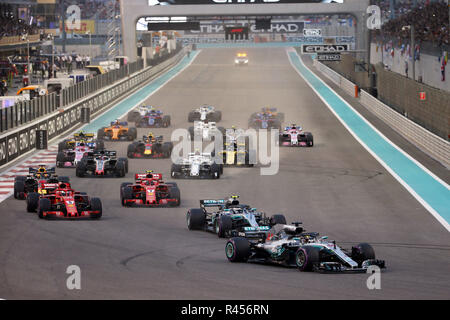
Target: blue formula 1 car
[(149, 117)]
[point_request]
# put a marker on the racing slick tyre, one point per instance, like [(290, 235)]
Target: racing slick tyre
[(96, 205), (60, 159), (133, 116), (44, 205), (125, 161), (99, 145), (195, 219), (126, 193), (172, 184), (309, 139), (362, 252), (217, 116), (62, 146), (215, 171), (192, 116), (276, 125), (250, 157), (191, 133), (80, 170), (119, 170), (223, 225), (167, 149), (20, 178), (278, 219), (280, 116), (307, 257), (131, 150), (64, 179), (125, 184), (175, 170), (19, 189), (223, 132), (138, 123), (166, 121), (32, 202), (101, 134), (237, 249), (174, 193), (132, 134)]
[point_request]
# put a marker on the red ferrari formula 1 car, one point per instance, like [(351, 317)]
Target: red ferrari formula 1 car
[(150, 190), (63, 202), (294, 136)]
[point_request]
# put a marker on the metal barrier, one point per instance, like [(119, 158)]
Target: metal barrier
[(428, 142), (329, 73), (47, 104), (22, 140)]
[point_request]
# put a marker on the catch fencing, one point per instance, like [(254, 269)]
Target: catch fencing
[(23, 139)]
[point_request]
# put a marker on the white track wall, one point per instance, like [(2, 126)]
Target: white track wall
[(428, 142)]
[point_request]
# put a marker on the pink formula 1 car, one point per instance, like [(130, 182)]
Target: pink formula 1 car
[(294, 136), (71, 157)]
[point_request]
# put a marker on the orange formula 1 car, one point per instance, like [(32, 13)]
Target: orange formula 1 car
[(117, 131)]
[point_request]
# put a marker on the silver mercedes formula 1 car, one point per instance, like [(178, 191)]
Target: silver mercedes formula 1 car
[(228, 217), (289, 245)]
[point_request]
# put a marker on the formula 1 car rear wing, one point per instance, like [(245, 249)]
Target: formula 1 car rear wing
[(258, 234), (121, 123), (106, 153), (212, 203), (81, 136), (138, 177), (48, 171)]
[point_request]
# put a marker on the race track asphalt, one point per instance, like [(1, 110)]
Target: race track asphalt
[(336, 188)]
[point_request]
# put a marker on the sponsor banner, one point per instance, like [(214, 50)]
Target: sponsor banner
[(324, 48), (329, 57), (312, 32), (3, 151), (276, 27), (41, 139), (85, 25)]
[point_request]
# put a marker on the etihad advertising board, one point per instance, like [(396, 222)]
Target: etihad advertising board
[(276, 27)]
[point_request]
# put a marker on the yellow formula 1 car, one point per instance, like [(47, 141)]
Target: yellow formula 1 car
[(236, 150)]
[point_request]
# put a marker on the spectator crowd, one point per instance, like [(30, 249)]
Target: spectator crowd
[(91, 9), (430, 20), (12, 25)]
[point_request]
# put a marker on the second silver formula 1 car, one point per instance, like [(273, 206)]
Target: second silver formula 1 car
[(227, 217)]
